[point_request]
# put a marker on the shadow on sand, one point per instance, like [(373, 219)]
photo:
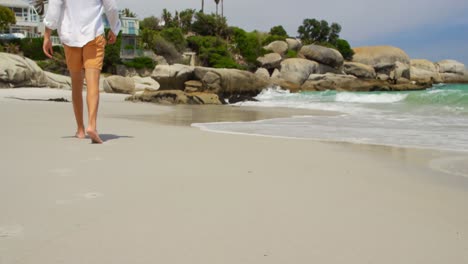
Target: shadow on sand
[(105, 137)]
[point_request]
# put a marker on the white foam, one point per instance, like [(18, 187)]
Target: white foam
[(369, 98)]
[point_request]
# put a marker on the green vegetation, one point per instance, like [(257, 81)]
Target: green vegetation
[(212, 52), (175, 36), (140, 63), (317, 32), (249, 45), (32, 48), (7, 17), (112, 55)]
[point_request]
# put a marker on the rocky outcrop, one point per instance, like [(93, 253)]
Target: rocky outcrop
[(339, 82), (279, 46), (119, 84), (390, 63), (359, 70), (175, 97), (123, 70), (172, 77), (270, 61), (424, 71), (58, 81), (297, 70), (452, 71), (323, 55), (263, 73), (193, 86), (226, 82), (17, 71)]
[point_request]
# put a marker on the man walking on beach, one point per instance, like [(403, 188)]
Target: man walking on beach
[(81, 29)]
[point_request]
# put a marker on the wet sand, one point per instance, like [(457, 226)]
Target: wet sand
[(159, 191)]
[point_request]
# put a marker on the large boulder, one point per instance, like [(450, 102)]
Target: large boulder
[(297, 70), (119, 84), (263, 73), (270, 60), (359, 70), (380, 56), (278, 46), (172, 77), (454, 77), (145, 83), (389, 62), (175, 97), (323, 55), (294, 44), (425, 71), (451, 66), (18, 71), (226, 82), (58, 81)]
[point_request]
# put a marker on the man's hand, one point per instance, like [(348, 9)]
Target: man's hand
[(111, 38), (47, 48)]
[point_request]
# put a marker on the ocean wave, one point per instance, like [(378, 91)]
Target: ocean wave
[(380, 98)]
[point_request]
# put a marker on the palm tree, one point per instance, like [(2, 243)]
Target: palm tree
[(39, 5), (202, 5), (222, 8), (128, 13), (217, 3)]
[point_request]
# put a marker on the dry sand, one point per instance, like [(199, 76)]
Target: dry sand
[(163, 193)]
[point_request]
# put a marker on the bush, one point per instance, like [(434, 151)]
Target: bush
[(112, 56), (176, 37), (345, 49), (272, 38), (249, 45), (212, 52), (57, 65), (210, 25), (167, 50), (140, 63), (32, 48), (278, 31), (291, 54)]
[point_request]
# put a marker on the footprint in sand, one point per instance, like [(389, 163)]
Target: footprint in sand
[(10, 231)]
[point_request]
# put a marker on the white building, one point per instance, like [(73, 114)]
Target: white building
[(28, 21)]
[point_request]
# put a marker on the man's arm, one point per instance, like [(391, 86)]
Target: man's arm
[(51, 21), (112, 14)]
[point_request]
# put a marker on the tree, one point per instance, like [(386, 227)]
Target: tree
[(222, 8), (345, 49), (334, 35), (128, 13), (166, 17), (202, 6), (186, 18), (151, 23), (278, 31), (210, 25), (7, 17), (217, 3)]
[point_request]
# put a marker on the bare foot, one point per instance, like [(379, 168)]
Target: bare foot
[(95, 139), (80, 134)]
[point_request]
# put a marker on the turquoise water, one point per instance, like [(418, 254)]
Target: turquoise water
[(435, 118)]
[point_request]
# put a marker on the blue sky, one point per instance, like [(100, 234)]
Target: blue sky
[(430, 29)]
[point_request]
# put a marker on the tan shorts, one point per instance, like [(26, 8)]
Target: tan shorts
[(90, 56)]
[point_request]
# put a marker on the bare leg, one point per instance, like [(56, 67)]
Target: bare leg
[(92, 98), (77, 99)]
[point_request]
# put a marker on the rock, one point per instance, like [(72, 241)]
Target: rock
[(297, 70), (278, 46), (58, 81), (226, 82), (329, 81), (263, 73), (323, 55), (454, 78), (175, 97), (380, 56), (17, 71), (424, 65), (276, 74), (123, 70), (270, 61), (451, 66), (294, 44), (359, 70), (193, 86), (172, 77), (424, 71), (146, 83), (119, 84), (160, 60), (323, 69)]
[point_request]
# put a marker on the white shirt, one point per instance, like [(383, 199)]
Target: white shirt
[(80, 21)]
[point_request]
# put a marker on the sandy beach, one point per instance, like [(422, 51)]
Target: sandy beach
[(160, 191)]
